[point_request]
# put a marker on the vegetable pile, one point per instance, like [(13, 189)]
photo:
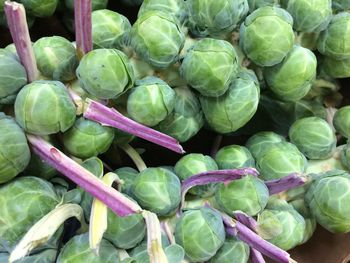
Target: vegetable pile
[(263, 72)]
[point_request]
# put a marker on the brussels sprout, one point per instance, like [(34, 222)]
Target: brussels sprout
[(14, 150), (217, 17), (280, 159), (40, 8), (233, 250), (196, 163), (157, 38), (87, 138), (291, 79), (109, 29), (341, 5), (336, 68), (236, 107), (284, 224), (157, 190), (44, 107), (187, 117), (209, 66), (77, 250), (335, 40), (45, 256), (249, 195), (341, 121), (267, 45), (13, 76), (255, 4), (328, 197), (261, 141), (233, 157), (56, 58), (23, 202), (150, 101), (314, 137), (310, 15), (125, 232), (201, 233), (345, 156), (95, 4), (128, 175), (105, 73), (176, 7)]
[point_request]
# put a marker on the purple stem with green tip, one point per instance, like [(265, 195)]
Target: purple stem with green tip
[(111, 117), (285, 183), (17, 23), (237, 229), (216, 176), (248, 221), (116, 201), (83, 26)]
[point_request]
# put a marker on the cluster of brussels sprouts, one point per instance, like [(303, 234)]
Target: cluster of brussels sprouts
[(265, 71)]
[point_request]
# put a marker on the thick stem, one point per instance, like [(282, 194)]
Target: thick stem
[(17, 23), (110, 117), (83, 26), (217, 176), (285, 183), (116, 201), (135, 156), (167, 230)]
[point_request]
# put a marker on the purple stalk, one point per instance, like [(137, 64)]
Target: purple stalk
[(110, 117), (17, 23), (235, 228), (83, 26), (285, 183), (216, 176), (248, 221), (116, 201)]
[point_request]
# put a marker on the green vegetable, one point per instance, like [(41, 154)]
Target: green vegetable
[(233, 250), (341, 5), (261, 141), (54, 113), (209, 66), (255, 4), (336, 68), (341, 121), (128, 175), (40, 8), (105, 73), (233, 157), (266, 35)]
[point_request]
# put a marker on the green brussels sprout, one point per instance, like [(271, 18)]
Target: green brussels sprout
[(267, 45), (125, 232), (345, 156), (157, 38), (217, 17), (310, 15), (13, 77), (341, 5), (336, 68), (56, 58), (341, 121), (23, 202), (233, 250), (176, 7), (87, 138), (233, 157), (45, 256), (261, 141), (150, 101), (328, 197), (195, 163), (291, 79), (44, 107), (105, 73), (95, 4), (249, 195), (77, 250), (280, 159), (201, 233), (335, 40), (236, 107), (314, 137), (109, 29), (157, 190), (282, 225), (128, 175), (186, 119), (255, 4), (209, 66), (40, 8), (14, 149)]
